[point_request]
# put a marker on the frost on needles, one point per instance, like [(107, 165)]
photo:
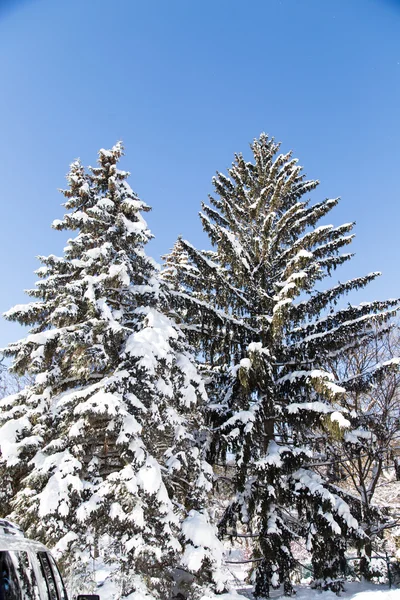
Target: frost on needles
[(265, 331), (107, 445)]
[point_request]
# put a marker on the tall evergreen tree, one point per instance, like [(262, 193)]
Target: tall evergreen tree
[(266, 333), (107, 443)]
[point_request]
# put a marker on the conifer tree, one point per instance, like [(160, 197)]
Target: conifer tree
[(107, 443), (252, 307), (176, 256)]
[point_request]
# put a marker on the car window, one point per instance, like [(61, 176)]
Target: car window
[(58, 578), (47, 573), (55, 585), (17, 577)]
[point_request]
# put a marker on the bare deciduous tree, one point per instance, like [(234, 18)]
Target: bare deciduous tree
[(11, 383), (370, 373)]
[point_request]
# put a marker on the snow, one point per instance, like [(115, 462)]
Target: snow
[(149, 476), (135, 402), (281, 303), (129, 428), (121, 272), (314, 374), (230, 596), (202, 543), (151, 343), (319, 407), (257, 347), (63, 543), (273, 456), (88, 507), (312, 482), (245, 363), (354, 591), (55, 496), (100, 403), (191, 374), (304, 254), (77, 428), (197, 529), (9, 434), (134, 228), (357, 435), (116, 511), (338, 418), (334, 330), (43, 337), (244, 416), (236, 246), (193, 558), (334, 388), (141, 592), (105, 203), (22, 309)]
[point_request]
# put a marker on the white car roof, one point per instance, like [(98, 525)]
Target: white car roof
[(12, 538), (19, 542)]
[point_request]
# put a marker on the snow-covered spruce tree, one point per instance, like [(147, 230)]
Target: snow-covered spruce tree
[(106, 444), (177, 255), (265, 333)]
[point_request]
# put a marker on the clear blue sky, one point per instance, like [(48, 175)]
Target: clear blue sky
[(186, 84)]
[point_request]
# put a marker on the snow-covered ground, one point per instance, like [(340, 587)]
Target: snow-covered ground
[(354, 591), (238, 572)]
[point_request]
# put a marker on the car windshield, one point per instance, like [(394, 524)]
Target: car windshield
[(17, 578)]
